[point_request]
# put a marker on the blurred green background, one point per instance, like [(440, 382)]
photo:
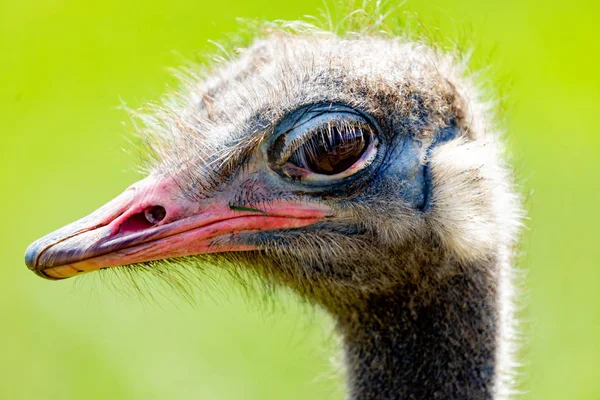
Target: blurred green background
[(65, 67)]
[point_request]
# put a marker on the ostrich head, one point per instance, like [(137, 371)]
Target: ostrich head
[(364, 173)]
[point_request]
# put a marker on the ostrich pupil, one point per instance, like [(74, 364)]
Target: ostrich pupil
[(331, 150)]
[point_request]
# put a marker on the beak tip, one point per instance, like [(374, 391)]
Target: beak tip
[(31, 260), (31, 255)]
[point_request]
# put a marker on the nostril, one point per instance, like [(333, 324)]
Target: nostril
[(155, 214), (143, 220)]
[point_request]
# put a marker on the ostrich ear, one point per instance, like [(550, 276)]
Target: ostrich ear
[(472, 208)]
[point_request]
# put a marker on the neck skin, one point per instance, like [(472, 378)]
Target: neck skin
[(403, 345)]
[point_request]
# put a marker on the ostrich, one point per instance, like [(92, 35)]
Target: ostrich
[(364, 172)]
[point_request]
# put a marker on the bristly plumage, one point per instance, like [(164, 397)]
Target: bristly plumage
[(415, 267), (474, 210)]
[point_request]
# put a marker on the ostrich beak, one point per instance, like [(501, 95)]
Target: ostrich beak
[(152, 220)]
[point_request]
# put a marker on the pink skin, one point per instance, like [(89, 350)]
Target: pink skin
[(119, 234)]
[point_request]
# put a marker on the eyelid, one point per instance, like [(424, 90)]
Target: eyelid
[(299, 134), (364, 161)]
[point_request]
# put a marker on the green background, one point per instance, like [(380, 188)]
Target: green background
[(66, 66)]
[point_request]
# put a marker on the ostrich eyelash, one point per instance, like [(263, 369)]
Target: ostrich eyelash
[(325, 125)]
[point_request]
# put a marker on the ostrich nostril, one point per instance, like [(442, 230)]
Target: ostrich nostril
[(143, 220), (155, 214)]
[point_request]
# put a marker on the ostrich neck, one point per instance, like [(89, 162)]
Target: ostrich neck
[(400, 346)]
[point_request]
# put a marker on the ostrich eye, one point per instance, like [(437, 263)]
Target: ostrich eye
[(331, 150), (327, 147)]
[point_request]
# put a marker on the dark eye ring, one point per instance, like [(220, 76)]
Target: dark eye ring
[(327, 147)]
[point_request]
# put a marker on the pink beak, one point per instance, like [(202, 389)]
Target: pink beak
[(151, 220)]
